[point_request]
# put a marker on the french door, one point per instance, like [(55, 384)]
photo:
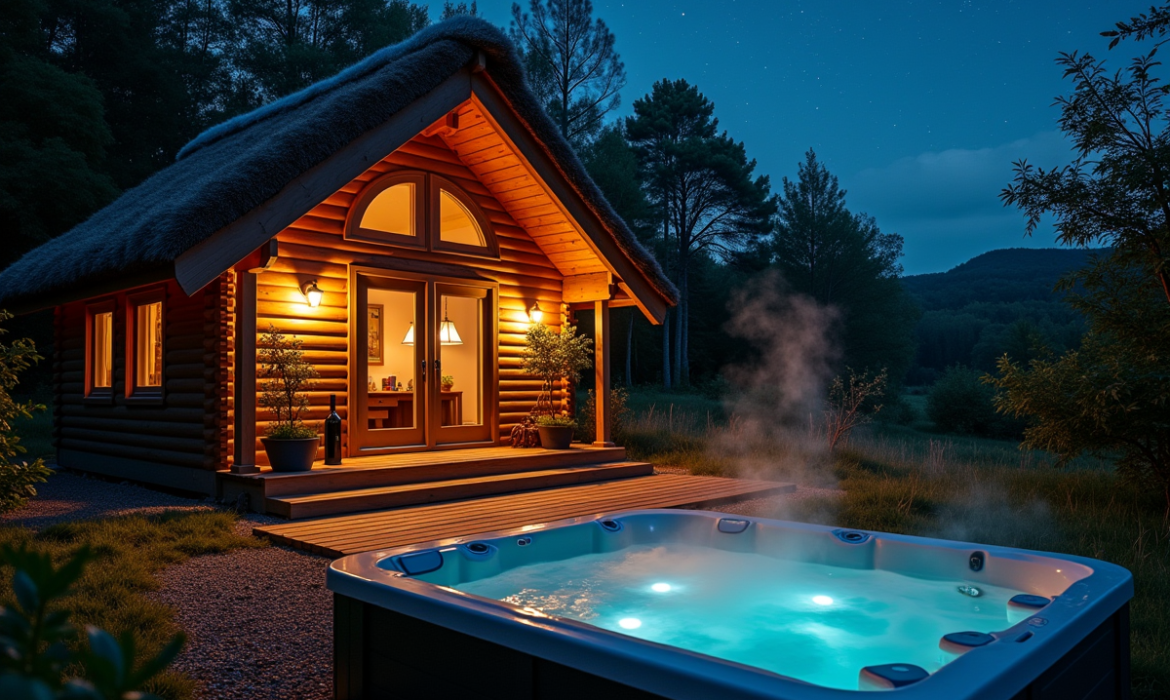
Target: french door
[(425, 374)]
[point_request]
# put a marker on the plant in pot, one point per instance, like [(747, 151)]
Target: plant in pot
[(448, 382), (291, 445), (552, 356)]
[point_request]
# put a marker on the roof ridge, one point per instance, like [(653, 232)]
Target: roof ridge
[(472, 31)]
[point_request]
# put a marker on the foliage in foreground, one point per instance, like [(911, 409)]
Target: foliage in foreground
[(38, 643), (127, 553), (18, 477)]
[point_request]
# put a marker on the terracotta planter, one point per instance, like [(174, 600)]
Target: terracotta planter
[(555, 437), (294, 455)]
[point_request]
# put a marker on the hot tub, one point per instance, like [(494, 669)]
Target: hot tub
[(693, 604)]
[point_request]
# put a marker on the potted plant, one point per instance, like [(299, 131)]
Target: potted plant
[(551, 357), (448, 382), (291, 445)]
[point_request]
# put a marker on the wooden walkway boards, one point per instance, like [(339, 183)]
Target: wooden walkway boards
[(363, 532)]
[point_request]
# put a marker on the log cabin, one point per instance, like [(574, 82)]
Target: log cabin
[(406, 220)]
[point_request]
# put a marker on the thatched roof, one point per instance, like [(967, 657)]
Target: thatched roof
[(234, 167)]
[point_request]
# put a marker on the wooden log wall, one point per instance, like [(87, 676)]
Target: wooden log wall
[(314, 248), (185, 429)]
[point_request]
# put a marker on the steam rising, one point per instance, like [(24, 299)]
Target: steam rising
[(777, 400)]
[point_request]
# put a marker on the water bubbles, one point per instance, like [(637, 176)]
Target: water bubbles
[(661, 588), (629, 623), (822, 600), (971, 591)]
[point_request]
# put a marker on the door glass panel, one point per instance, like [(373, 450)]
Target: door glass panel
[(461, 340), (456, 224), (390, 359)]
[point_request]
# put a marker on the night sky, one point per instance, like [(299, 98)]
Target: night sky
[(918, 107)]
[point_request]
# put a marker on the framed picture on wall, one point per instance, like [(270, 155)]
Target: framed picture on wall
[(375, 330)]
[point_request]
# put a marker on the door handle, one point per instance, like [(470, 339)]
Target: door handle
[(436, 366), (424, 370)]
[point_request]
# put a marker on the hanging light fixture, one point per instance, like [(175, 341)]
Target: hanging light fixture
[(312, 293), (535, 314), (409, 339), (447, 333)]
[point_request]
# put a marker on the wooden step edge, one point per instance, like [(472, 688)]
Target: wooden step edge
[(370, 477), (438, 492)]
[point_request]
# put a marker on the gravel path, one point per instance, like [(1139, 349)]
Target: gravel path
[(271, 633)]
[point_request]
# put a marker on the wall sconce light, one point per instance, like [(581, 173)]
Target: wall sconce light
[(535, 314), (409, 339), (312, 293)]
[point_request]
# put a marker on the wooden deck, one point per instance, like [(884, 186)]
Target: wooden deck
[(349, 534)]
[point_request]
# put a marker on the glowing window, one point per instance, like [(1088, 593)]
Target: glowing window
[(392, 211), (102, 351), (148, 345), (456, 224)]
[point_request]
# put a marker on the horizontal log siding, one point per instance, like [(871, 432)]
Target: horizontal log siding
[(313, 248), (186, 430)]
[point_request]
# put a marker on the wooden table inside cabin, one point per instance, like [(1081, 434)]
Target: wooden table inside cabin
[(394, 409)]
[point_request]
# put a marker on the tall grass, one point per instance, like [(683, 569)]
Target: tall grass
[(899, 479)]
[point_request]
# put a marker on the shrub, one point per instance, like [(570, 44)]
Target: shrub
[(619, 414), (18, 477), (552, 356), (961, 402), (38, 645)]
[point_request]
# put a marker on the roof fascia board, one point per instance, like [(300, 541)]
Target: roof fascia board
[(496, 108), (208, 259)]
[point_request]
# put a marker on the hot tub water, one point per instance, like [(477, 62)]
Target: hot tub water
[(820, 624)]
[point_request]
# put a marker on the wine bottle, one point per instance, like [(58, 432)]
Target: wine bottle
[(333, 434)]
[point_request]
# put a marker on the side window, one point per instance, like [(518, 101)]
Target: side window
[(99, 352), (144, 356)]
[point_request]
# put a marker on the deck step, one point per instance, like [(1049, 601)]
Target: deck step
[(401, 469), (309, 505)]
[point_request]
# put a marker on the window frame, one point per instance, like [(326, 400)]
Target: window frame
[(437, 185), (100, 394), (353, 228), (135, 393), (427, 236)]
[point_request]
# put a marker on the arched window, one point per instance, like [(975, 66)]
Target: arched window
[(456, 224), (421, 210), (388, 211)]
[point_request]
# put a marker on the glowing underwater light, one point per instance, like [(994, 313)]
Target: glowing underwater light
[(660, 588), (629, 623), (822, 600)]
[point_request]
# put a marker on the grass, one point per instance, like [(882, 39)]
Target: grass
[(904, 480), (128, 553)]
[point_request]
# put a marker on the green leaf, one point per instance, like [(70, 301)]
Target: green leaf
[(26, 592), (104, 647)]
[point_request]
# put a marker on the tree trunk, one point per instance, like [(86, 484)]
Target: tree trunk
[(666, 350)]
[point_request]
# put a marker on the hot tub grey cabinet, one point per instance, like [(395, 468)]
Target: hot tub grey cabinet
[(382, 654)]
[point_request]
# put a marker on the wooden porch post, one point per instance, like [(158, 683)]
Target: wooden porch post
[(601, 407), (245, 394)]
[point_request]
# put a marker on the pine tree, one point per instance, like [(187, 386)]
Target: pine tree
[(704, 186), (572, 64)]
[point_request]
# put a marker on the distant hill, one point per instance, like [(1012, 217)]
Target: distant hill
[(999, 302), (1006, 275)]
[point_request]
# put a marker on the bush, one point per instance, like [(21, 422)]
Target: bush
[(555, 422), (587, 424), (38, 644), (18, 477), (961, 402)]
